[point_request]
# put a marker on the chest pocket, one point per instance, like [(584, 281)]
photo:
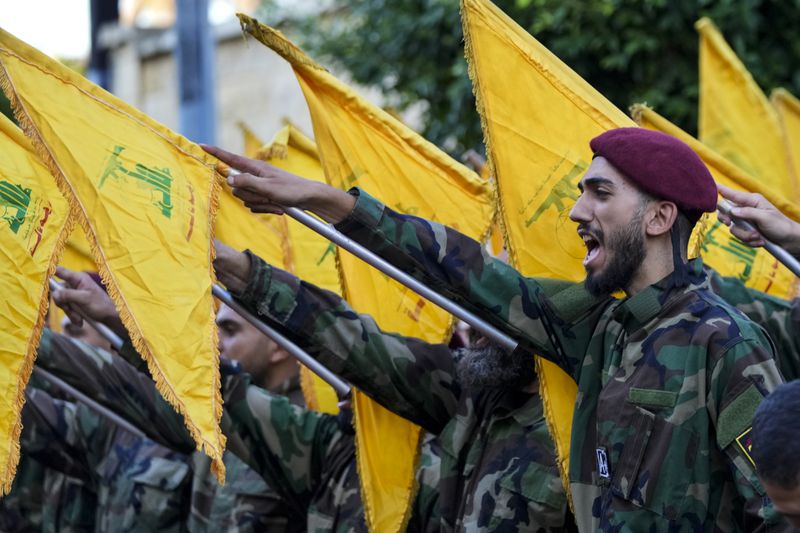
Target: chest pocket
[(658, 460), (539, 489)]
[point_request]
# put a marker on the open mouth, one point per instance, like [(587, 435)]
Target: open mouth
[(593, 249)]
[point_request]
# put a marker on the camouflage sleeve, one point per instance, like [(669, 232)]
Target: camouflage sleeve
[(409, 377), (425, 515), (739, 379), (779, 317), (286, 444), (548, 317), (114, 383), (50, 434)]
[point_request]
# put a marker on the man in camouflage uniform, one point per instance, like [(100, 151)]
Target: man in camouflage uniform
[(245, 502), (309, 457), (668, 378), (498, 469), (140, 486)]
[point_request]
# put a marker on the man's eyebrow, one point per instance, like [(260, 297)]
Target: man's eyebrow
[(595, 181)]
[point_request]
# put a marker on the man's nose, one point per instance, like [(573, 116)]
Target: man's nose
[(579, 211)]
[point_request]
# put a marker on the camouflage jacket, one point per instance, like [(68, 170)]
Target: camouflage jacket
[(668, 380), (498, 470), (310, 458), (244, 503), (21, 508), (46, 500), (781, 318), (140, 486)]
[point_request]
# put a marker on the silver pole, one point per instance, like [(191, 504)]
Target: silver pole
[(90, 403), (340, 239), (342, 389), (113, 339), (780, 253)]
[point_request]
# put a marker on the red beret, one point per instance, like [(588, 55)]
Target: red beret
[(661, 165)]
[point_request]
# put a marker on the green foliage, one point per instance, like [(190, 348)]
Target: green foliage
[(630, 50)]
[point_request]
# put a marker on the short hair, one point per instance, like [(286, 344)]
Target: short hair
[(775, 437)]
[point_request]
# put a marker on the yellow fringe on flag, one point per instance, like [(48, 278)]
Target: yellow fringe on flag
[(34, 223), (145, 198), (361, 144)]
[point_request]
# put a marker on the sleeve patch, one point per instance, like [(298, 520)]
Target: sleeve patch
[(745, 443), (737, 416)]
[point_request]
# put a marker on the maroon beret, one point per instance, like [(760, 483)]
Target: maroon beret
[(661, 165)]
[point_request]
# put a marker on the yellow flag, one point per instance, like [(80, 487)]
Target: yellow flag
[(33, 229), (145, 198), (308, 255), (788, 108), (538, 117), (736, 119), (719, 249), (360, 144)]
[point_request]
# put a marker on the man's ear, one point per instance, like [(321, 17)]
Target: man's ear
[(279, 355), (661, 215)]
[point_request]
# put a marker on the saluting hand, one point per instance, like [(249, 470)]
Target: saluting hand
[(267, 189)]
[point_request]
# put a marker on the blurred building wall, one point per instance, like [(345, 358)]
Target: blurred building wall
[(253, 84)]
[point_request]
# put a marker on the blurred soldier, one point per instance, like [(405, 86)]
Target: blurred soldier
[(309, 457), (245, 502), (140, 485), (773, 447), (668, 378)]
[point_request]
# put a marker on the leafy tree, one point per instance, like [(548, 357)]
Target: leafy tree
[(630, 50)]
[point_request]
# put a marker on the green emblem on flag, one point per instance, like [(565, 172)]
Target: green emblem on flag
[(158, 180), (14, 201)]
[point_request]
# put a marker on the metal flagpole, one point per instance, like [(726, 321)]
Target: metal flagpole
[(342, 389), (340, 239), (780, 253)]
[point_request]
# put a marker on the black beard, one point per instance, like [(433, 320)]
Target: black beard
[(493, 367), (626, 247)]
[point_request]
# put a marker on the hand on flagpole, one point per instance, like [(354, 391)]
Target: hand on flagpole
[(80, 292), (267, 189), (232, 267), (770, 222)]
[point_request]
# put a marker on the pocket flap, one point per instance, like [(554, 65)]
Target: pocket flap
[(652, 397)]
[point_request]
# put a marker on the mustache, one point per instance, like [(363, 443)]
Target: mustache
[(597, 233)]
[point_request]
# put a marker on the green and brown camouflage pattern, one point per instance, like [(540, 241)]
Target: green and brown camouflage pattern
[(498, 470), (139, 485), (779, 317), (668, 380), (244, 504)]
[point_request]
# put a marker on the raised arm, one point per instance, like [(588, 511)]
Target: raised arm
[(50, 434), (115, 384), (449, 262), (292, 448), (414, 379)]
